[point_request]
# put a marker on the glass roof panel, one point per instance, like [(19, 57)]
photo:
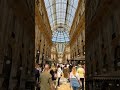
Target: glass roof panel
[(60, 11), (61, 14), (60, 35), (46, 3)]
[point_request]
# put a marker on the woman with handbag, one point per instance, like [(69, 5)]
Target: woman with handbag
[(75, 79)]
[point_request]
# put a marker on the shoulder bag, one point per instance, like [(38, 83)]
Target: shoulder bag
[(79, 82)]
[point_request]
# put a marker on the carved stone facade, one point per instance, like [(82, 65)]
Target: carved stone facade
[(77, 33), (43, 33), (17, 39), (102, 44), (54, 53), (66, 54)]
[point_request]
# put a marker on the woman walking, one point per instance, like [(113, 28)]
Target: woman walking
[(75, 79)]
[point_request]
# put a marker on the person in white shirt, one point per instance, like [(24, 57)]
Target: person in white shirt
[(59, 73)]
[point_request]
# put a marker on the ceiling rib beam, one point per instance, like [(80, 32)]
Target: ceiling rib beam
[(66, 10), (54, 9)]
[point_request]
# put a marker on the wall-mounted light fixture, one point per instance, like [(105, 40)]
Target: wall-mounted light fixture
[(8, 61), (117, 85), (38, 51), (118, 64), (28, 72), (104, 70), (110, 84), (95, 73), (21, 68), (37, 56)]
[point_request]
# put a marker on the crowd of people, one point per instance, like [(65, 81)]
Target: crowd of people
[(49, 78)]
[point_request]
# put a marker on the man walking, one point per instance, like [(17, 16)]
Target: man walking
[(46, 79)]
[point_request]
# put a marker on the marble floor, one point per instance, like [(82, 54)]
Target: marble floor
[(65, 86)]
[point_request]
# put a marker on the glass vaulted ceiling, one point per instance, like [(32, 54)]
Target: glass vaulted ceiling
[(61, 14)]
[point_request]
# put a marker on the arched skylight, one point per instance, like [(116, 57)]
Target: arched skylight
[(60, 35), (61, 14)]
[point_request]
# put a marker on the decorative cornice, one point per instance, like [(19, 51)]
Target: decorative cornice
[(79, 29), (39, 22)]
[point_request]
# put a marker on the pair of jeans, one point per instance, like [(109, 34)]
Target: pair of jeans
[(75, 88), (82, 80)]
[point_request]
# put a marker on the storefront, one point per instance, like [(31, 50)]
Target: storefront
[(78, 60)]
